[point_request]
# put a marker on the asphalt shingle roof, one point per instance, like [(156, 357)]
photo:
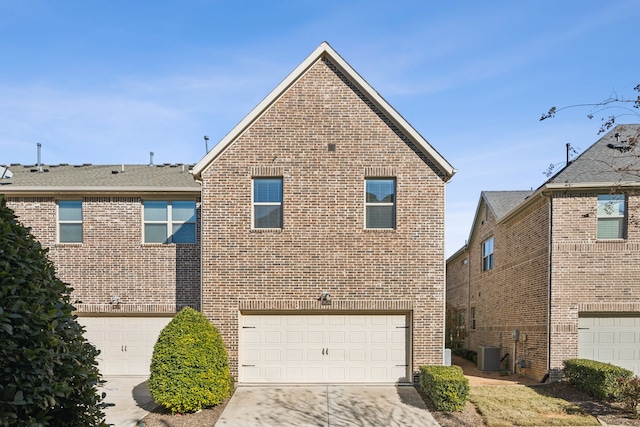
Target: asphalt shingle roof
[(610, 160), (133, 177), (502, 202)]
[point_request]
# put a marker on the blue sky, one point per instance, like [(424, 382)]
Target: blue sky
[(109, 81)]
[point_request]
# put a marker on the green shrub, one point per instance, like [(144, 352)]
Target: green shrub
[(190, 366), (598, 379), (446, 386), (466, 354), (630, 393), (48, 370)]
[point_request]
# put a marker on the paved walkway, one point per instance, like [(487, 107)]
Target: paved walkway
[(300, 406), (130, 398)]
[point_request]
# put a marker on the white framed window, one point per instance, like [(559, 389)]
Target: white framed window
[(380, 203), (267, 203), (169, 221), (70, 221), (611, 216), (487, 254)]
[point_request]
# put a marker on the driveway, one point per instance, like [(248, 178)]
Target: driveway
[(130, 398), (298, 406)]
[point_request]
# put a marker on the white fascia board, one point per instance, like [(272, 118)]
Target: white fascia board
[(326, 50)]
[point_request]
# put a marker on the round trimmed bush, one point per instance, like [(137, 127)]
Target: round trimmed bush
[(190, 365)]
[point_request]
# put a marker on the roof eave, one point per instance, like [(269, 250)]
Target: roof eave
[(88, 190)]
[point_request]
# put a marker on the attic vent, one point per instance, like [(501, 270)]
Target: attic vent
[(331, 147), (620, 147)]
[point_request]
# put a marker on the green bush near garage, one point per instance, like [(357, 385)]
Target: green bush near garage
[(446, 386), (598, 379), (48, 371), (190, 365)]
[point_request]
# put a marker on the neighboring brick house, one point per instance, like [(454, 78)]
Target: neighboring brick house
[(312, 237), (323, 235), (125, 238), (558, 264)]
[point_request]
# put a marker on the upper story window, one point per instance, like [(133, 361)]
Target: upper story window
[(267, 203), (487, 254), (70, 221), (380, 203), (611, 216), (170, 221)]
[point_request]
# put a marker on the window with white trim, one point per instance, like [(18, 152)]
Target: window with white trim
[(487, 254), (380, 203), (267, 203), (611, 216), (169, 221), (70, 221)]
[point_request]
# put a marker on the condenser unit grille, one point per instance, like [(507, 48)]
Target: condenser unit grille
[(489, 358)]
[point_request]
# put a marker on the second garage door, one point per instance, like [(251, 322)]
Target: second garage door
[(125, 343), (350, 348), (610, 339)]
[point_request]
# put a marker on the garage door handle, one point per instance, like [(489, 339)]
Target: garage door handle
[(323, 351), (403, 365)]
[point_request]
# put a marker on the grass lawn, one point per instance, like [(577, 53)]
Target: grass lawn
[(523, 406)]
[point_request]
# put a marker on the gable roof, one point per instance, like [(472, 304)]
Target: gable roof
[(609, 161), (87, 178), (502, 202), (326, 51)]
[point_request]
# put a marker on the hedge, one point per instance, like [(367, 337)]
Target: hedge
[(446, 386), (598, 379)]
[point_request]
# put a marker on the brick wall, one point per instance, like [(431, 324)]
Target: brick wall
[(589, 275), (323, 245), (512, 295), (112, 260)]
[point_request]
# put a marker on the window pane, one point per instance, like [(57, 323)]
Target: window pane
[(184, 233), (610, 228), (70, 210), (155, 211), (380, 217), (71, 233), (184, 211), (267, 190), (267, 217), (380, 191), (155, 233), (610, 205)]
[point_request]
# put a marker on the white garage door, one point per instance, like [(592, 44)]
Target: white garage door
[(610, 339), (323, 348), (125, 343)]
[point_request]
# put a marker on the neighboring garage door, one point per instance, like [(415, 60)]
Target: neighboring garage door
[(323, 348), (610, 339), (125, 343)]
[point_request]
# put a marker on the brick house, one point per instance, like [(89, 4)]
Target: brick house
[(124, 237), (557, 264), (319, 243)]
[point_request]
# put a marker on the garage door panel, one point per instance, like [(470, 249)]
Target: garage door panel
[(126, 343), (324, 348), (610, 339)]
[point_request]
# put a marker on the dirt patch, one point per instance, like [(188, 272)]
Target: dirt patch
[(207, 417)]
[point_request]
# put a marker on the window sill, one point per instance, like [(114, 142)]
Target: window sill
[(69, 244), (611, 240), (266, 230), (380, 230), (169, 244)]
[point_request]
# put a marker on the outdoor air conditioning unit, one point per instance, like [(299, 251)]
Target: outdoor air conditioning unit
[(489, 358)]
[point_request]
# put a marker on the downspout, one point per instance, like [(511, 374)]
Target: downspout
[(549, 257)]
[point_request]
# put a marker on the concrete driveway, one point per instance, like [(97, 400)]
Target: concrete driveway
[(298, 406), (130, 398)]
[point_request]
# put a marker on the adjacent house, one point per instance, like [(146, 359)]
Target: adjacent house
[(312, 237), (551, 274)]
